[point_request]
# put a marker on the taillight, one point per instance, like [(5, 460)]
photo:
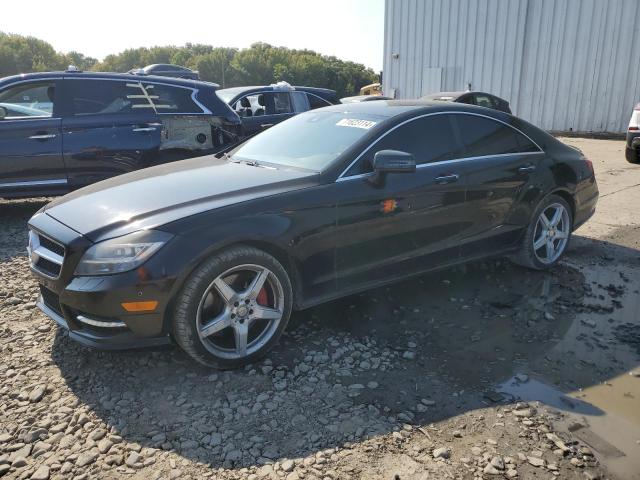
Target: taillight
[(589, 164), (634, 123)]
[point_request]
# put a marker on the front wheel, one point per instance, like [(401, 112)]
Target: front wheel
[(548, 234), (233, 308)]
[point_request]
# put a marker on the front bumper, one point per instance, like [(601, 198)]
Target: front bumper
[(103, 340), (632, 150), (90, 308)]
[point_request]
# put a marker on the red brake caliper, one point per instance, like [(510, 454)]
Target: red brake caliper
[(263, 299)]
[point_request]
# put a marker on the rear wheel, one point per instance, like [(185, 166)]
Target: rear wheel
[(548, 234), (233, 308)]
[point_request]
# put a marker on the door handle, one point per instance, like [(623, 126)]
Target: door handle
[(444, 179), (42, 136), (527, 169), (144, 129), (266, 125)]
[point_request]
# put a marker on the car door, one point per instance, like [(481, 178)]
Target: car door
[(500, 167), (273, 108), (109, 127), (30, 140), (409, 222)]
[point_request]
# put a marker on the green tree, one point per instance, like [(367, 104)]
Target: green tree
[(260, 64)]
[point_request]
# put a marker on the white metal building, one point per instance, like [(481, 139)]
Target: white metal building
[(564, 65)]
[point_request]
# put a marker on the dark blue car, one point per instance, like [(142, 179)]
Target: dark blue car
[(262, 107), (63, 130)]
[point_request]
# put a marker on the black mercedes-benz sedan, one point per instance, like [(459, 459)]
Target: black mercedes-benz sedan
[(215, 253)]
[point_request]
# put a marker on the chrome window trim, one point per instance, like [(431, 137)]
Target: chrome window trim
[(444, 162), (342, 175), (29, 80), (59, 181)]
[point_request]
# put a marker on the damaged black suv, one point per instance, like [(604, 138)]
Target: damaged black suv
[(63, 130)]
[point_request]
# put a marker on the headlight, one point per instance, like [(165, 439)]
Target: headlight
[(121, 254)]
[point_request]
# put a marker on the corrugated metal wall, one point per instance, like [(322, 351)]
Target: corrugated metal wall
[(564, 65)]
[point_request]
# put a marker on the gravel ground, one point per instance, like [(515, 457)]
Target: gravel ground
[(425, 379)]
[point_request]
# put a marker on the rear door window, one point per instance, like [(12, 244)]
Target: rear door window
[(300, 101), (483, 136), (316, 102), (429, 139), (101, 97), (484, 101), (281, 103)]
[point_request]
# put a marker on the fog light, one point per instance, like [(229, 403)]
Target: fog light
[(145, 306)]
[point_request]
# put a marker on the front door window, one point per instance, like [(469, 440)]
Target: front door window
[(28, 100)]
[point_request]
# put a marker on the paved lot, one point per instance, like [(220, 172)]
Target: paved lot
[(486, 371)]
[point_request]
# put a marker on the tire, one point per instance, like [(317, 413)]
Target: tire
[(537, 258), (240, 292)]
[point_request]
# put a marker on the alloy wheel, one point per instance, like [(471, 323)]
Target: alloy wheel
[(551, 233), (240, 311)]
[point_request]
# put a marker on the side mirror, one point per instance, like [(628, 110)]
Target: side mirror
[(3, 113), (393, 161)]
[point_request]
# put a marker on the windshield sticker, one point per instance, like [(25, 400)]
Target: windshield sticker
[(354, 122)]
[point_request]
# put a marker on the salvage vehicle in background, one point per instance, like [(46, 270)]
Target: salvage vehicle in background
[(166, 70), (363, 98), (214, 254), (480, 99), (372, 89), (263, 107), (62, 130), (632, 150)]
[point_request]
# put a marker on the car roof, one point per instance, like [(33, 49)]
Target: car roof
[(439, 95), (154, 65), (393, 108), (455, 95), (275, 88), (185, 82), (364, 98)]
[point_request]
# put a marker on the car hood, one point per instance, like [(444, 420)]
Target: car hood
[(158, 195)]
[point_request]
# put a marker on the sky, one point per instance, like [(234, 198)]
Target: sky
[(349, 29)]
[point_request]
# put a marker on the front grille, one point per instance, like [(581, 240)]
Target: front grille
[(49, 268), (51, 245), (51, 300), (45, 255)]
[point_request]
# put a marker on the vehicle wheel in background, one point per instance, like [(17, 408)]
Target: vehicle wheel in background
[(233, 308), (547, 236)]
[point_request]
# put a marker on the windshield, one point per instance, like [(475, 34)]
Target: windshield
[(312, 140)]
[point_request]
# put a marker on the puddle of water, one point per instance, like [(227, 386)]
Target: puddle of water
[(620, 395), (474, 327), (595, 371), (606, 417)]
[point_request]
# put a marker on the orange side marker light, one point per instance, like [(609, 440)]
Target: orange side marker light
[(389, 205), (145, 306)]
